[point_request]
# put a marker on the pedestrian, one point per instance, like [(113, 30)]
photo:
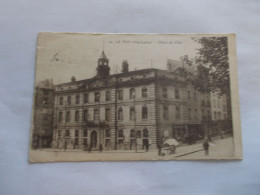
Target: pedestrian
[(159, 150), (206, 147), (100, 147)]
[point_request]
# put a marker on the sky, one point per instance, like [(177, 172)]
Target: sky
[(61, 56)]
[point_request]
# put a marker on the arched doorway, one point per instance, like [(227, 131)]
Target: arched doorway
[(93, 139)]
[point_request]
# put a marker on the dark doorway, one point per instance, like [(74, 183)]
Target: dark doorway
[(93, 138)]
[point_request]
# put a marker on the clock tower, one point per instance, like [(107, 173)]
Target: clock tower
[(103, 69)]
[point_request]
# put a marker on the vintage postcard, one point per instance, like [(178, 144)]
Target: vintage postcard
[(127, 97)]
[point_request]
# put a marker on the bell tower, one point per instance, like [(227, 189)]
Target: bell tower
[(103, 69)]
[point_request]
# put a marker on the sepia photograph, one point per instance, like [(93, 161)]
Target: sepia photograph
[(130, 97)]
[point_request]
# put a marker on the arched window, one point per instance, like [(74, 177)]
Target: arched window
[(138, 134), (132, 113), (144, 92), (120, 113), (164, 92), (76, 116), (132, 133), (145, 133), (121, 133), (177, 94), (68, 116), (60, 117), (107, 95), (132, 93), (77, 99), (69, 100), (165, 112), (144, 112), (61, 100)]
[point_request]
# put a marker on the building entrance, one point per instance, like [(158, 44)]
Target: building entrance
[(93, 139)]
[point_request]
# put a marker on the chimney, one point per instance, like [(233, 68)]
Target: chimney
[(125, 66)]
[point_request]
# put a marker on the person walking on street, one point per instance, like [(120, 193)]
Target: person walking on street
[(159, 150), (100, 147), (206, 147)]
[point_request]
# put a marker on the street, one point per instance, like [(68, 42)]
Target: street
[(218, 149)]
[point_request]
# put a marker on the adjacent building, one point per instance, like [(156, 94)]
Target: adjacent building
[(43, 117)]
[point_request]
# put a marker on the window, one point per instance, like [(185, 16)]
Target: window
[(76, 116), (60, 117), (97, 96), (76, 133), (77, 99), (121, 133), (202, 103), (120, 141), (96, 115), (69, 100), (120, 94), (138, 134), (195, 114), (164, 92), (108, 133), (188, 94), (165, 112), (107, 95), (208, 103), (132, 113), (145, 133), (85, 133), (178, 112), (68, 116), (120, 114), (86, 98), (86, 116), (59, 133), (67, 133), (219, 116), (189, 114), (45, 92), (107, 114), (61, 100), (132, 93), (144, 93), (208, 114), (132, 133), (177, 94), (144, 112), (215, 115), (195, 95)]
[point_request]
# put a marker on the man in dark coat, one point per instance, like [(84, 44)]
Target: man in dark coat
[(206, 147)]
